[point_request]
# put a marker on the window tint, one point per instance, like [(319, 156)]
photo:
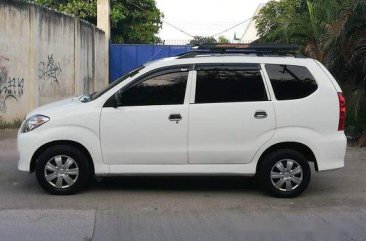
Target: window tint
[(116, 82), (229, 84), (290, 81), (165, 89)]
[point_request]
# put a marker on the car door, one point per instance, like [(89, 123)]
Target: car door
[(149, 125), (230, 115)]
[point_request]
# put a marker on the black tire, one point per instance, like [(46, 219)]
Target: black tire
[(283, 155), (78, 157)]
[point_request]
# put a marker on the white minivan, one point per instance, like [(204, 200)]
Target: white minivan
[(202, 113)]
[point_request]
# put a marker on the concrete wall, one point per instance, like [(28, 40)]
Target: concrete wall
[(46, 56)]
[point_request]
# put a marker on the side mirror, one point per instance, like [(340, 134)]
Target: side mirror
[(115, 100), (118, 98), (112, 101)]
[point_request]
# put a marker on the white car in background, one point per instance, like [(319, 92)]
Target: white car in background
[(256, 111)]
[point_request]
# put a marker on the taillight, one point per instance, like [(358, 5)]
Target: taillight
[(342, 111)]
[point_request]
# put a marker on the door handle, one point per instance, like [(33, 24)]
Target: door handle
[(260, 114), (175, 117)]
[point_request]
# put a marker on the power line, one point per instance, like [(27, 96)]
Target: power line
[(181, 30), (190, 35), (236, 25), (178, 29)]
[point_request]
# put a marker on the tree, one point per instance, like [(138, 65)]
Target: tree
[(274, 18), (223, 40), (197, 40), (331, 31), (131, 21)]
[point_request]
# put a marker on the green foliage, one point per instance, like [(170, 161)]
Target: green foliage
[(10, 125), (274, 19), (331, 31), (131, 21), (197, 40), (223, 40), (135, 21)]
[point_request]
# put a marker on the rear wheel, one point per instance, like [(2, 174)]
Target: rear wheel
[(285, 173), (62, 170)]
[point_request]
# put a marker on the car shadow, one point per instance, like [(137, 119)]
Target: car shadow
[(176, 183)]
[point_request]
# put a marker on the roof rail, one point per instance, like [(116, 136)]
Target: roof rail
[(258, 49)]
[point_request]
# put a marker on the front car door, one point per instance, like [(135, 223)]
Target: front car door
[(149, 126), (230, 115)]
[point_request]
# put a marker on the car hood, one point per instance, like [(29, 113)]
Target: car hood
[(59, 105)]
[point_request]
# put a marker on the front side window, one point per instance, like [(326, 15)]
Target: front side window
[(116, 82), (291, 82), (229, 84), (163, 89)]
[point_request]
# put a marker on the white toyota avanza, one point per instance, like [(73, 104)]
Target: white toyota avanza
[(251, 112)]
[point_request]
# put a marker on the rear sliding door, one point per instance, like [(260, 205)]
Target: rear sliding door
[(230, 115)]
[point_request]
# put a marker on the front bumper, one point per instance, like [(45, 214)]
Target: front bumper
[(27, 144)]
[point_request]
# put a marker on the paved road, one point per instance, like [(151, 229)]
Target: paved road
[(182, 208)]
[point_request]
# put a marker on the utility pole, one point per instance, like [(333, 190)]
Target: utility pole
[(104, 23)]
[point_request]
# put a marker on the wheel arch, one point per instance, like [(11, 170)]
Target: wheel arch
[(297, 146), (75, 144)]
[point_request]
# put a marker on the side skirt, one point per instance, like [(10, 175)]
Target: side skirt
[(190, 169)]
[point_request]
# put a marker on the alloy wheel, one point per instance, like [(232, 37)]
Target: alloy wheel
[(286, 175), (61, 171)]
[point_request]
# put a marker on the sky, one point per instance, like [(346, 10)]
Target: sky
[(205, 17)]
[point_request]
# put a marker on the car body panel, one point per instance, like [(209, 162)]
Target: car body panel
[(311, 121), (228, 132), (144, 135)]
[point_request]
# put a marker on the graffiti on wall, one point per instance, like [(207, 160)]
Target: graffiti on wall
[(10, 88), (3, 69), (49, 70)]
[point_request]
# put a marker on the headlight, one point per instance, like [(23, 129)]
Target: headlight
[(33, 122)]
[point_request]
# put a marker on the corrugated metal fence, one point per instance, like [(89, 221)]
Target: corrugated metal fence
[(126, 57)]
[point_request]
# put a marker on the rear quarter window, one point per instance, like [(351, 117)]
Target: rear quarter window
[(291, 82)]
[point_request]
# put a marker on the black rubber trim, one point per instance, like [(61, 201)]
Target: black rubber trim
[(243, 66)]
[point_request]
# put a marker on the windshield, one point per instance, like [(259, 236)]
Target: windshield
[(116, 82)]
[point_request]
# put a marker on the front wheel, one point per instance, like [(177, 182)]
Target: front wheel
[(285, 173), (62, 170)]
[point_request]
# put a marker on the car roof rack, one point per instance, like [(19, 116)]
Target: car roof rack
[(243, 49)]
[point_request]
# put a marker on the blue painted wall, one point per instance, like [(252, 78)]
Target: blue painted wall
[(126, 57)]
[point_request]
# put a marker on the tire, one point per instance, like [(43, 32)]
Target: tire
[(285, 183), (64, 163)]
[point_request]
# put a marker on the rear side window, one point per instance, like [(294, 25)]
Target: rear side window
[(291, 82), (229, 84)]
